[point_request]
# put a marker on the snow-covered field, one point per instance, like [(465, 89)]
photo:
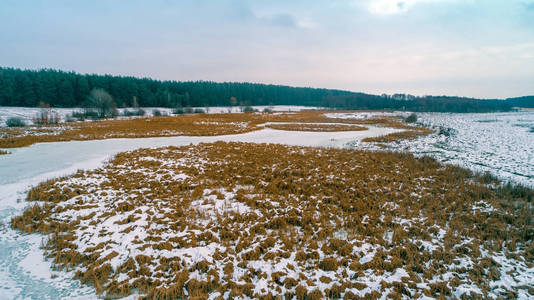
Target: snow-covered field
[(28, 113), (500, 143), (260, 227), (365, 115), (24, 272)]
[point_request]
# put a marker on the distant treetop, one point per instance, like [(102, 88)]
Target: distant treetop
[(68, 89)]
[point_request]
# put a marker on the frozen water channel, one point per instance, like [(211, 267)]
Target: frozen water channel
[(23, 271)]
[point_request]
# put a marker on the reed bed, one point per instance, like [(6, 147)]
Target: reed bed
[(316, 127), (265, 221), (183, 125), (412, 133)]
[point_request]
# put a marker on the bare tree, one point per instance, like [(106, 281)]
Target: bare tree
[(102, 101)]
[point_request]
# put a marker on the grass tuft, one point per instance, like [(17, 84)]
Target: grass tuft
[(191, 221)]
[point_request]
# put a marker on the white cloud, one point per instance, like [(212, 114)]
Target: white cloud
[(389, 7)]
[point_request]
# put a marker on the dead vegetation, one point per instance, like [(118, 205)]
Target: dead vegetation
[(316, 127), (234, 219), (411, 133), (3, 152), (188, 125)]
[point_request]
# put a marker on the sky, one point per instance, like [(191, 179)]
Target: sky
[(473, 48)]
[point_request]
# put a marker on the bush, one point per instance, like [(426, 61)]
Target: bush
[(156, 113), (188, 110), (80, 116), (69, 118), (140, 112), (15, 122), (267, 110), (411, 118), (247, 109), (178, 111), (199, 111), (130, 113), (446, 131), (46, 117), (85, 114)]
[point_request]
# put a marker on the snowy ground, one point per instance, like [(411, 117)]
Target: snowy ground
[(500, 143), (250, 211), (367, 115), (22, 269), (28, 113)]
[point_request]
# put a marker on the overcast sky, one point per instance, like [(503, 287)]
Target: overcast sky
[(476, 48)]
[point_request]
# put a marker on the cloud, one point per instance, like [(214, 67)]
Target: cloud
[(529, 5), (283, 20), (390, 7), (287, 20)]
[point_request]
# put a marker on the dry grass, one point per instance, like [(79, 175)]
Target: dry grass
[(412, 133), (226, 218), (3, 152), (188, 125), (316, 127)]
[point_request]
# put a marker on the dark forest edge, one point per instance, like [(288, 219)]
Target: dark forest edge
[(30, 88)]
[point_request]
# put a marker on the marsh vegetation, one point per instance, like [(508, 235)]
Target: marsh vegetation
[(233, 219), (195, 124)]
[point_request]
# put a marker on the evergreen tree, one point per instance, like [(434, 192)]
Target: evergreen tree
[(6, 88), (82, 89), (66, 93), (24, 91), (28, 88)]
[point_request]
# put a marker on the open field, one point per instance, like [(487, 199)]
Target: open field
[(232, 219), (500, 143), (188, 125)]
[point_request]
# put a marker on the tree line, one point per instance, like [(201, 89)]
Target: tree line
[(418, 104), (69, 89), (526, 101)]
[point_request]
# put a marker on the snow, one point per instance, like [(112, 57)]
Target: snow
[(499, 143), (365, 115), (41, 158), (28, 113), (23, 272), (483, 207)]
